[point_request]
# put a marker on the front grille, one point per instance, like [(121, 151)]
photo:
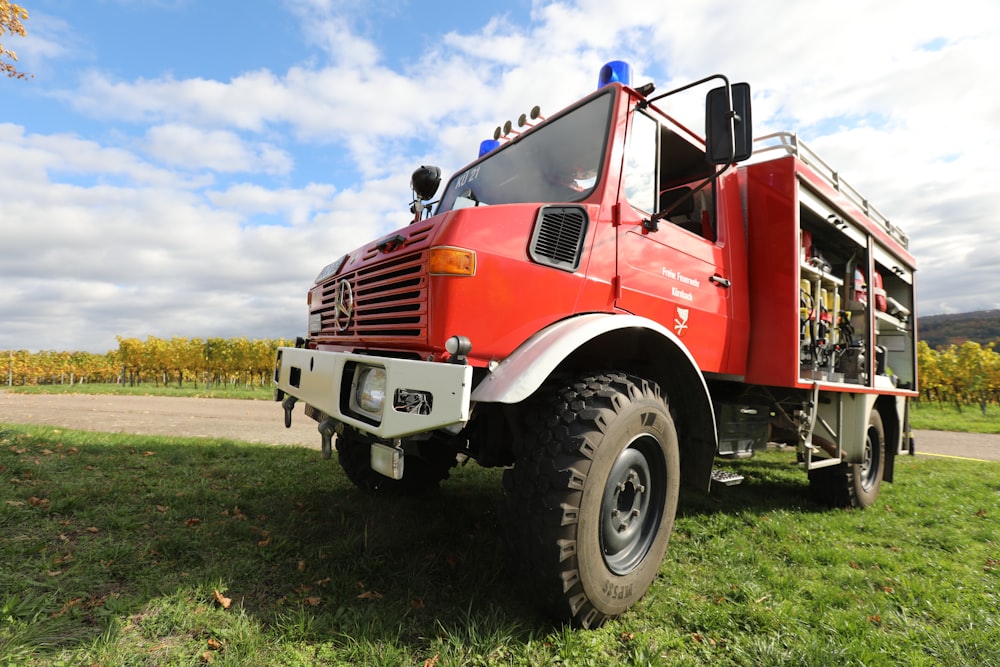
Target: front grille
[(390, 299)]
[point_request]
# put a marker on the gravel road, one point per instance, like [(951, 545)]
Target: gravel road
[(250, 421), (262, 421)]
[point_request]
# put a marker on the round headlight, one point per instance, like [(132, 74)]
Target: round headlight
[(371, 389)]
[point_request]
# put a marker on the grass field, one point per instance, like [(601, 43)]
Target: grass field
[(970, 419), (131, 550), (188, 390)]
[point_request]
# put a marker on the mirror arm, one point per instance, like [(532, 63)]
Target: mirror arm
[(646, 102), (651, 224)]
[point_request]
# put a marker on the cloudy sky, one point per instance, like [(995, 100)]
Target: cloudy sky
[(185, 168)]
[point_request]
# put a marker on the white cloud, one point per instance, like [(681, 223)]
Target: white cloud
[(192, 148), (244, 103), (297, 205)]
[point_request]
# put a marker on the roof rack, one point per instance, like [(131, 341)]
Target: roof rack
[(789, 143)]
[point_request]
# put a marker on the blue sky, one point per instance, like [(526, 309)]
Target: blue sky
[(183, 168)]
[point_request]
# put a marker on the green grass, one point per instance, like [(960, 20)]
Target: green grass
[(147, 389), (117, 549), (934, 417)]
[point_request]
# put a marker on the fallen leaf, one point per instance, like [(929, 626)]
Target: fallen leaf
[(93, 529), (193, 521), (15, 503), (313, 600), (55, 573), (149, 453), (301, 567), (432, 662), (417, 603), (223, 601), (370, 595), (207, 657), (215, 644)]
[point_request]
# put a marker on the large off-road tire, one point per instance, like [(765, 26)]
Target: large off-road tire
[(421, 472), (593, 494), (854, 484)]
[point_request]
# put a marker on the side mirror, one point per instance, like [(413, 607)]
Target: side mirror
[(728, 131), (425, 182)]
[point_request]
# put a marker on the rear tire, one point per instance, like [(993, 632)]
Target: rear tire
[(854, 484), (593, 494)]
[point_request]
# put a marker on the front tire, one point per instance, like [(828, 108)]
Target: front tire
[(593, 494), (422, 472)]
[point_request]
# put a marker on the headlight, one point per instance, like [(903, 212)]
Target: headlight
[(369, 395)]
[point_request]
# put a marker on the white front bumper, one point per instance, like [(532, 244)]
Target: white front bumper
[(325, 381)]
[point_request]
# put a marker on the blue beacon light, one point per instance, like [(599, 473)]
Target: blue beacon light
[(488, 145), (616, 70)]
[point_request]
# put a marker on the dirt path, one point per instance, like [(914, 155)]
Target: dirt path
[(251, 421), (262, 421)]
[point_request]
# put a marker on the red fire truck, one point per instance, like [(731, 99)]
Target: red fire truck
[(603, 303)]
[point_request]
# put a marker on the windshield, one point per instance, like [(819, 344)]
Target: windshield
[(558, 162)]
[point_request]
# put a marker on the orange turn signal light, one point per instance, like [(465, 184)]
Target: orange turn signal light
[(450, 261)]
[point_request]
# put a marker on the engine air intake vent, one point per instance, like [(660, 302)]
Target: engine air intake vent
[(557, 239)]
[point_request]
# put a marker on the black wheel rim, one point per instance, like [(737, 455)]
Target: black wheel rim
[(632, 506)]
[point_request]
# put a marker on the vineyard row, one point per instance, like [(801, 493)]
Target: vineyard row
[(210, 362), (966, 374)]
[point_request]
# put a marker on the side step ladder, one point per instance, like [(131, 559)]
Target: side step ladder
[(726, 478)]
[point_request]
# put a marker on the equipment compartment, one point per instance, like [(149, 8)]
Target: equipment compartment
[(850, 291)]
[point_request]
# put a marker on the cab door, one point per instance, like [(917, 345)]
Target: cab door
[(676, 274)]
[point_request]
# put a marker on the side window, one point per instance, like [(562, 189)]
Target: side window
[(665, 171), (640, 164)]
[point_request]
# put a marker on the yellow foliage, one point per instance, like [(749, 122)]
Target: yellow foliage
[(12, 19)]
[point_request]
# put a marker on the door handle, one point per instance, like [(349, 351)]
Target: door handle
[(720, 281)]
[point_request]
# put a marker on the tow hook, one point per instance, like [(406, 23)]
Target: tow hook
[(326, 430), (288, 404)]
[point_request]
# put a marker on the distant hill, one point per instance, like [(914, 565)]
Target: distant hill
[(981, 326)]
